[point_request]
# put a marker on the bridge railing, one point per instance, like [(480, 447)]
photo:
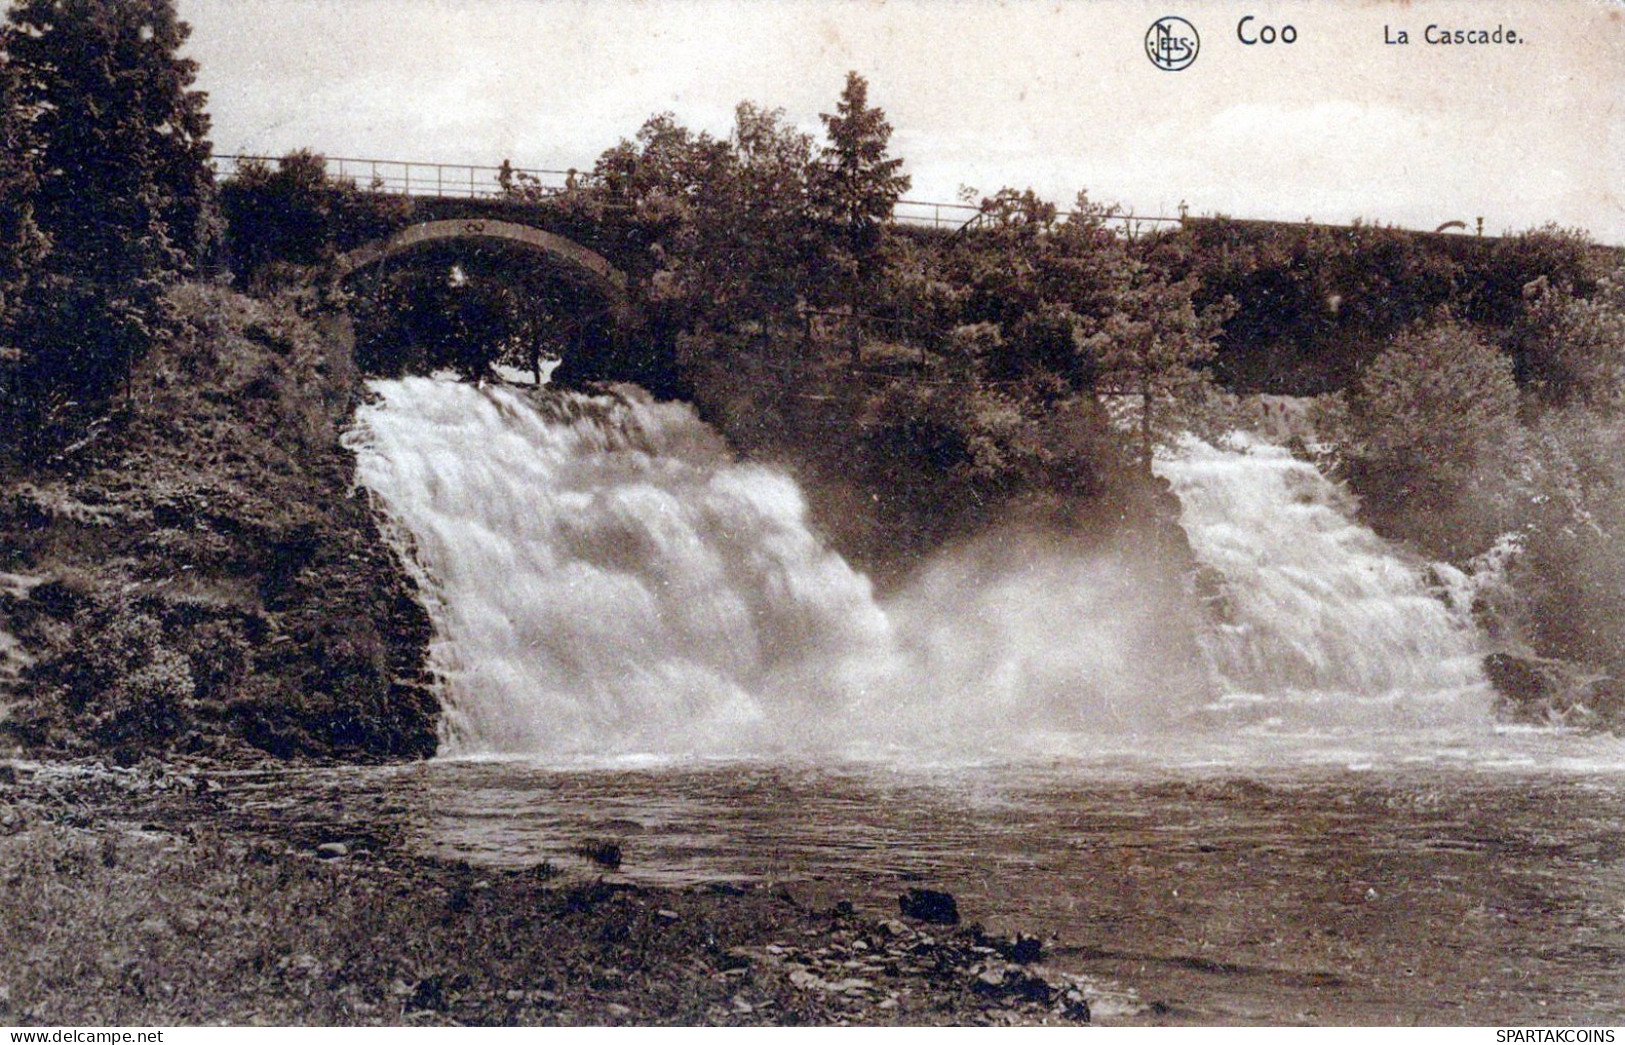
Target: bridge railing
[(476, 181), (417, 178), (959, 215), (934, 215)]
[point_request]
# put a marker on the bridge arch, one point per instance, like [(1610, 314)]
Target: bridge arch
[(608, 280)]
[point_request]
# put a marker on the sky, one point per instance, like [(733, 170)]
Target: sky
[(1059, 96)]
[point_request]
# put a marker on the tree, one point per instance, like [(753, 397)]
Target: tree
[(855, 187), (277, 214), (1573, 348), (999, 259), (124, 189), (1437, 397), (1154, 343), (294, 214), (124, 181), (1082, 311), (1567, 258), (760, 218), (1434, 440), (725, 219)]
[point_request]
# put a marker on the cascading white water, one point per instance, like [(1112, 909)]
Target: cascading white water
[(1314, 615), (605, 578)]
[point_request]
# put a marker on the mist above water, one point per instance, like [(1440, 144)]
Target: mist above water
[(605, 578)]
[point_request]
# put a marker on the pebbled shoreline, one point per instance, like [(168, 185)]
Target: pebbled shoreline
[(135, 897)]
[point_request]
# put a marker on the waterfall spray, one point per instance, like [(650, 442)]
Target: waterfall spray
[(606, 578)]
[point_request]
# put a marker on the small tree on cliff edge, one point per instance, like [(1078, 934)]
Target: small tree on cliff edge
[(1154, 343), (124, 191), (855, 187)]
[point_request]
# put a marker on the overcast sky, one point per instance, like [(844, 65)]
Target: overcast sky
[(1058, 96)]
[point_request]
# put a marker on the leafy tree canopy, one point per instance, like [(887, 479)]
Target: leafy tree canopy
[(856, 184), (114, 172), (1573, 348), (1437, 398), (120, 136), (293, 213)]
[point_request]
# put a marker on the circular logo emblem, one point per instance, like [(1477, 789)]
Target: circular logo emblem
[(1171, 43)]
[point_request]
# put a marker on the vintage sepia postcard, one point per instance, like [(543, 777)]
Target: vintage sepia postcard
[(812, 513)]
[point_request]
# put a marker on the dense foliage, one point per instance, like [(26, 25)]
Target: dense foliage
[(107, 161), (292, 214), (1431, 419), (1315, 304), (932, 381)]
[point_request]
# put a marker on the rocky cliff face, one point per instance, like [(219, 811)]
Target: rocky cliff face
[(198, 575)]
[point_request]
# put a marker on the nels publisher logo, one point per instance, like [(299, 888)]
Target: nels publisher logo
[(1171, 43)]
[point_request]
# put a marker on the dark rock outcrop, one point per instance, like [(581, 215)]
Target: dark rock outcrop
[(1555, 692), (202, 578), (929, 905)]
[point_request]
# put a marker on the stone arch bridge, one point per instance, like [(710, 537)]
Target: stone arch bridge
[(611, 343), (572, 257)]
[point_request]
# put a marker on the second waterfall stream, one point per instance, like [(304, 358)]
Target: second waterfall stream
[(605, 579)]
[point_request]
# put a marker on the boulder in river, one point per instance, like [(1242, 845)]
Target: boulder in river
[(1530, 686), (602, 851), (929, 905)]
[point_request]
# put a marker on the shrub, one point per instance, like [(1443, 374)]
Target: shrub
[(1433, 429), (1571, 574), (1572, 347), (293, 214)]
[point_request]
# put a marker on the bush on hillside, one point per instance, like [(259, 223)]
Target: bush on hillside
[(1573, 347), (1434, 438)]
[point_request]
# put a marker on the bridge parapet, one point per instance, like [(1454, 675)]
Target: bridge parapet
[(415, 177), (608, 279), (425, 180)]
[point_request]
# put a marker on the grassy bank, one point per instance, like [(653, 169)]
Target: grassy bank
[(137, 897)]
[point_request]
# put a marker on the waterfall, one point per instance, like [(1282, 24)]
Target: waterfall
[(606, 578), (1309, 610), (603, 576)]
